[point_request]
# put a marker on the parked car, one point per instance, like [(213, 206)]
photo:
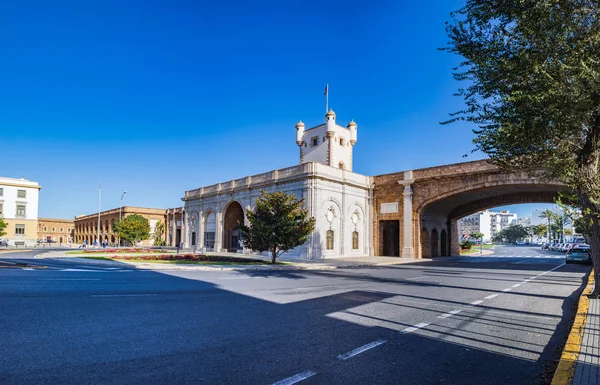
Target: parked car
[(546, 245), (3, 243), (578, 253)]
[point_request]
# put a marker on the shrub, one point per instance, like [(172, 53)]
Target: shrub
[(466, 245), (185, 257)]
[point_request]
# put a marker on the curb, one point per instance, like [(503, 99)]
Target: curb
[(566, 366)]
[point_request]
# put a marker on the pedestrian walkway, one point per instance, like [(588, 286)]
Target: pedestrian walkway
[(587, 370)]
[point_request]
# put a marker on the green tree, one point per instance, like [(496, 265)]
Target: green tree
[(532, 69), (3, 226), (159, 234), (513, 233), (133, 228), (277, 224), (477, 235), (540, 230)]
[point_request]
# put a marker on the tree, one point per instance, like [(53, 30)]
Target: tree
[(533, 74), (159, 234), (3, 226), (277, 224), (133, 228), (540, 230), (477, 235), (513, 233)]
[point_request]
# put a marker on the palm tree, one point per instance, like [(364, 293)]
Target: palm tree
[(549, 215)]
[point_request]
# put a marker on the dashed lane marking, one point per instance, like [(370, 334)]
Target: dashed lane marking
[(413, 328), (475, 303), (450, 313), (296, 378), (492, 296), (361, 349)]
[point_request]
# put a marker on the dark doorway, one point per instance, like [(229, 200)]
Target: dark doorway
[(234, 217), (444, 243), (177, 237), (390, 238)]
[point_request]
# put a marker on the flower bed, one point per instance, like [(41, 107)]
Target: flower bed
[(185, 257), (122, 251)]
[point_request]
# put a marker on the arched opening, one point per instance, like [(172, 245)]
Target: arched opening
[(193, 238), (234, 217), (444, 243), (435, 243), (112, 239), (341, 165), (209, 232), (425, 243), (61, 240), (355, 240)]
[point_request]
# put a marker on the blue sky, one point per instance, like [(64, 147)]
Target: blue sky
[(156, 97)]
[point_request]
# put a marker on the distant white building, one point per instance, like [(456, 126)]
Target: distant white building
[(19, 208), (525, 221), (336, 197), (489, 223)]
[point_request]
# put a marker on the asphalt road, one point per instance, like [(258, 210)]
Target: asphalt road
[(495, 319)]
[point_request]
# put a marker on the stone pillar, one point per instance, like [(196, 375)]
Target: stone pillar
[(200, 235), (407, 216), (173, 230), (453, 238), (219, 231), (184, 237), (330, 147)]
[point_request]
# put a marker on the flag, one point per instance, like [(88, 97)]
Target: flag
[(326, 89)]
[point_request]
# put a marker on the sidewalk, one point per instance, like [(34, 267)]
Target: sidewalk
[(290, 263), (580, 360), (587, 370)]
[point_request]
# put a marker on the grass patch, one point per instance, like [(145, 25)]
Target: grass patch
[(185, 259), (100, 258)]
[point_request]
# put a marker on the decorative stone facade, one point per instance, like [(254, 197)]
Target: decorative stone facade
[(338, 199), (56, 230), (86, 226)]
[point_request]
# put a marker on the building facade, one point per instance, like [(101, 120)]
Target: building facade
[(338, 199), (86, 226), (489, 223), (19, 208), (56, 230)]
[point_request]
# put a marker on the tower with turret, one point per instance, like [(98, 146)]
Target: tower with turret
[(328, 143)]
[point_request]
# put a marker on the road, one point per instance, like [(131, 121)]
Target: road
[(495, 319)]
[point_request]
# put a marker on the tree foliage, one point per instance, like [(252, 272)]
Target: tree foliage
[(477, 235), (133, 228), (513, 233), (159, 234), (3, 226), (277, 224), (533, 74)]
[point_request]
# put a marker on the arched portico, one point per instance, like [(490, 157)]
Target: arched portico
[(233, 218)]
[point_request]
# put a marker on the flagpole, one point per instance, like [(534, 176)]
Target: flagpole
[(326, 98)]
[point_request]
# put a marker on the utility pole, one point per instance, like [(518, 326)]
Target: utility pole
[(120, 207), (99, 200)]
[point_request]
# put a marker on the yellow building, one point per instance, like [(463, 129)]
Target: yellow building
[(19, 208)]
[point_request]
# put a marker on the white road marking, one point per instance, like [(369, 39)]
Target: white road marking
[(413, 328), (95, 271), (492, 296), (297, 378), (516, 285), (27, 268), (476, 302), (361, 349), (449, 314), (122, 295), (507, 289), (71, 279), (419, 278)]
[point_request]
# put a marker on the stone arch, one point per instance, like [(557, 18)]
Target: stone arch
[(112, 239), (232, 219), (355, 234), (425, 243), (444, 243), (435, 243), (333, 221)]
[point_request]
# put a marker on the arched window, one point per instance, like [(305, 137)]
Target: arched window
[(61, 229), (329, 239), (341, 165), (45, 228), (194, 238), (355, 240)]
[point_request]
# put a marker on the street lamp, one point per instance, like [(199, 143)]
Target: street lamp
[(99, 199), (122, 195)]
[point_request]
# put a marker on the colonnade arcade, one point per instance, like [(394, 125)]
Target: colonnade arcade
[(216, 227), (88, 231)]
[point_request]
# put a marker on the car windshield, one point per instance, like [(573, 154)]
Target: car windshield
[(579, 253)]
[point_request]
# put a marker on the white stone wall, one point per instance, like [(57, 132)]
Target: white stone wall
[(324, 189), (318, 153)]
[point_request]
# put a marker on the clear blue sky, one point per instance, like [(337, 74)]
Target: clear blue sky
[(158, 97)]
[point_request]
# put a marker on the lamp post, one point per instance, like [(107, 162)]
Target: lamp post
[(121, 206), (99, 200)]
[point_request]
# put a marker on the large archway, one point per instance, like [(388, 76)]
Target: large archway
[(234, 217), (449, 208)]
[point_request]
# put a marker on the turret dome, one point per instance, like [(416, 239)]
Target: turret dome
[(330, 113)]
